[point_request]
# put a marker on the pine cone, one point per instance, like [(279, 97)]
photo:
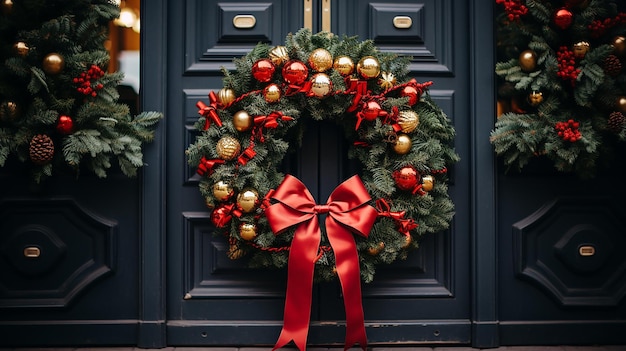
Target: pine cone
[(612, 65), (41, 149), (616, 122)]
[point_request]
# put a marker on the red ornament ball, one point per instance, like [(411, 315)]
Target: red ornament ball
[(221, 216), (406, 178), (563, 18), (263, 70), (371, 111), (411, 93), (295, 72), (65, 125)]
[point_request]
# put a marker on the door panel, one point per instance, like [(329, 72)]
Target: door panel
[(212, 300)]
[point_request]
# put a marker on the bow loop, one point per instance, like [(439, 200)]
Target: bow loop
[(209, 112)]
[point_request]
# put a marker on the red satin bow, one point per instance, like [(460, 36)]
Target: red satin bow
[(209, 112), (270, 122), (207, 165), (404, 225), (347, 212)]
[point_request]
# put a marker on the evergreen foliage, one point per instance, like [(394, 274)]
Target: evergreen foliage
[(431, 152), (33, 97), (576, 75)]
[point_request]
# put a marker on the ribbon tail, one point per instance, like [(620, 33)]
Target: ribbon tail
[(347, 261), (301, 266)]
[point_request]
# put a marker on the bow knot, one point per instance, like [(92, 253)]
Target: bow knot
[(209, 112), (321, 209)]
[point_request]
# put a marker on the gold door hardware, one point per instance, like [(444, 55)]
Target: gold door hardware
[(308, 14), (32, 252), (586, 250), (326, 16), (244, 21), (402, 22)]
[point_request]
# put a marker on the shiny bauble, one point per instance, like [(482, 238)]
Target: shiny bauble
[(619, 46), (226, 96), (242, 121), (295, 72), (387, 80), (321, 86), (53, 63), (263, 70), (376, 249), (408, 120), (402, 145), (9, 111), (528, 60), (407, 241), (247, 231), (371, 111), (621, 104), (272, 93), (535, 98), (220, 216), (320, 60), (343, 65), (21, 49), (6, 6), (279, 55), (563, 18), (247, 200), (580, 49), (222, 191), (411, 93), (65, 125), (368, 67), (406, 178), (227, 148), (428, 182), (235, 252)]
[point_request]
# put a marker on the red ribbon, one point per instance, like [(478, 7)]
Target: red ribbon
[(270, 122), (246, 155), (348, 212), (404, 225), (209, 112), (206, 166), (359, 89)]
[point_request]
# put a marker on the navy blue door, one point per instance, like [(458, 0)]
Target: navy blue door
[(212, 300)]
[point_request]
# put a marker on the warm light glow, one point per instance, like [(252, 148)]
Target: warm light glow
[(127, 18), (137, 26)]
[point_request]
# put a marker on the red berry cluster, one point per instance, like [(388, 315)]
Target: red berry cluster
[(599, 27), (513, 8), (568, 131), (85, 81), (567, 61)]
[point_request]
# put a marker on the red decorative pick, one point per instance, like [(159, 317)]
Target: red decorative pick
[(65, 125), (359, 89), (347, 213), (403, 225), (210, 112), (246, 155), (206, 166)]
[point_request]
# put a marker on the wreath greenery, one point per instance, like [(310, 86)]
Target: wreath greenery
[(401, 138)]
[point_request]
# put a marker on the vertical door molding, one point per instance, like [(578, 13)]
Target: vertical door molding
[(483, 204), (153, 96)]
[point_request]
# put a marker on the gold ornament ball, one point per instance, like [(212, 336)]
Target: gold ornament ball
[(403, 144), (428, 182), (407, 241), (227, 148), (408, 120), (226, 96), (21, 49), (222, 191), (528, 60), (272, 93), (9, 111), (247, 231), (580, 49), (535, 98), (343, 65), (619, 46), (368, 67), (321, 86), (320, 60), (621, 104), (279, 55), (235, 252), (375, 250), (53, 63), (242, 121), (247, 200)]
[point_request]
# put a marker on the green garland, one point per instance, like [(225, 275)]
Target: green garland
[(59, 109), (562, 87), (247, 129)]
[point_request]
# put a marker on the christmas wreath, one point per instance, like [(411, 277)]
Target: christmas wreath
[(399, 135), (562, 88), (59, 107)]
